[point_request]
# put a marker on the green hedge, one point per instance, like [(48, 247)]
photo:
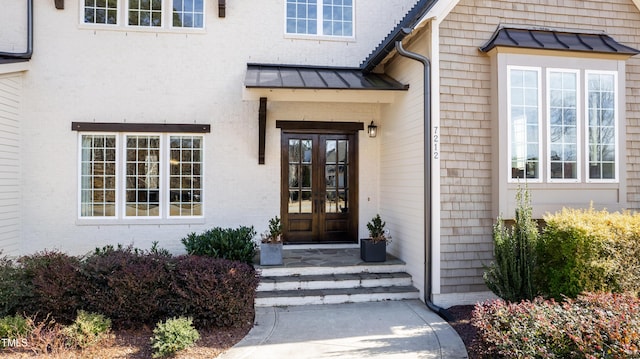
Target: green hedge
[(589, 250)]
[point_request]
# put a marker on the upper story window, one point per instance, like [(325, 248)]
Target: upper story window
[(320, 17), (145, 13)]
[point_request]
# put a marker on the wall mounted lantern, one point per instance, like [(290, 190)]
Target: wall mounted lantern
[(372, 130)]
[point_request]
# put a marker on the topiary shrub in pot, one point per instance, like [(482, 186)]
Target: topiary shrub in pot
[(374, 248), (271, 246)]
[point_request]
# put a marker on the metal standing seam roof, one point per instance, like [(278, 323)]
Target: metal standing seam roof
[(556, 39), (409, 21), (326, 78)]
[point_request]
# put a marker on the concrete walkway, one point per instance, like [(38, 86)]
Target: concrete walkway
[(392, 329)]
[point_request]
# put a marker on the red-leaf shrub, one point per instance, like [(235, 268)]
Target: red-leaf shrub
[(128, 286), (213, 291), (591, 326), (55, 283)]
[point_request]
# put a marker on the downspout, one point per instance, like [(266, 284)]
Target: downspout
[(428, 223), (29, 52)]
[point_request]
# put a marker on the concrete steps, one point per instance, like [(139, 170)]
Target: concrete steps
[(286, 286)]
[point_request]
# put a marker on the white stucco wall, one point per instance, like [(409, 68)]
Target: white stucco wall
[(82, 73)]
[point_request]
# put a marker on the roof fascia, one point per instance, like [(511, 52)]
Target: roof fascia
[(441, 9), (636, 3)]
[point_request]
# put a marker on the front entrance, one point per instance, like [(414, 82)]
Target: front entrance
[(319, 187)]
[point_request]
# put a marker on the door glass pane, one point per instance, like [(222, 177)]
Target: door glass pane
[(336, 201), (336, 180), (331, 152), (294, 151), (343, 151), (300, 176)]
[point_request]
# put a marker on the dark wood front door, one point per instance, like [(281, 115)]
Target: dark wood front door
[(319, 188)]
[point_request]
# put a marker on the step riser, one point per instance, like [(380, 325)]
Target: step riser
[(302, 284), (290, 271), (333, 299)]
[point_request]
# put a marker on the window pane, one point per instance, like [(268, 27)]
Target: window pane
[(524, 122), (337, 18), (188, 13), (562, 125), (185, 185), (97, 176), (145, 13), (100, 12), (602, 130), (143, 176), (301, 16)]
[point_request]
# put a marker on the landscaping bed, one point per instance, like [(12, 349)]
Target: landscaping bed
[(135, 344)]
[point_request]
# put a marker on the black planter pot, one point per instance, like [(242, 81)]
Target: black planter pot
[(373, 252)]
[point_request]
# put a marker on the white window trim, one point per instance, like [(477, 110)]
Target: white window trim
[(509, 147), (580, 168), (616, 124), (319, 26), (120, 217), (122, 20)]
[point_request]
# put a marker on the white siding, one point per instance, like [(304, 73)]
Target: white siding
[(402, 164), (10, 90)]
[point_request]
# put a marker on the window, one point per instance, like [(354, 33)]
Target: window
[(101, 11), (525, 123), (320, 17), (188, 13), (546, 123), (127, 176), (155, 14)]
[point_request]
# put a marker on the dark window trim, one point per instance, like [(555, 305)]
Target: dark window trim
[(320, 126), (140, 127)]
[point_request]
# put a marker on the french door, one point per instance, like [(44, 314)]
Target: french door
[(319, 188)]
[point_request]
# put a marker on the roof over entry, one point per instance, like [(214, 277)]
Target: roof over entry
[(317, 78)]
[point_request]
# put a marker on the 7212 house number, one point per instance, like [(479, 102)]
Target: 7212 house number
[(436, 141)]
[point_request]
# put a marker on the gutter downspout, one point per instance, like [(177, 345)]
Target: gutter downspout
[(428, 224), (25, 55)]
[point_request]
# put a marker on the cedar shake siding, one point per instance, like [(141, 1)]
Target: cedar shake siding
[(467, 119)]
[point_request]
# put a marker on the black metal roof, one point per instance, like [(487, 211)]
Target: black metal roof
[(308, 77), (556, 39), (387, 45)]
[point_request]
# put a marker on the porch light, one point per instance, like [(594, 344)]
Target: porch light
[(372, 130)]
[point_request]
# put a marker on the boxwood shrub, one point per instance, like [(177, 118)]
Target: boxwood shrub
[(228, 243), (589, 250)]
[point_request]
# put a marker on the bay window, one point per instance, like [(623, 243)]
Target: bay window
[(553, 120)]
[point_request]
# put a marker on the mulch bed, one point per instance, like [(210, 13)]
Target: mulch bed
[(468, 333), (135, 344)]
